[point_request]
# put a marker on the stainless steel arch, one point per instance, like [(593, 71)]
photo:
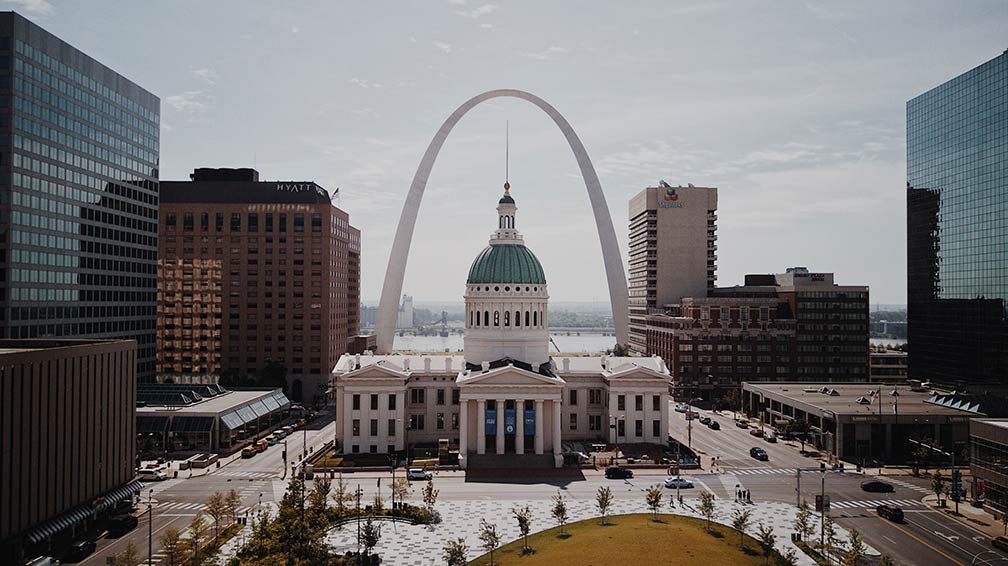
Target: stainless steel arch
[(388, 307)]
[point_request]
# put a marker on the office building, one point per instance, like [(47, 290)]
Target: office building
[(957, 230), (988, 463), (673, 245), (255, 274), (887, 366), (67, 435), (405, 318), (78, 196)]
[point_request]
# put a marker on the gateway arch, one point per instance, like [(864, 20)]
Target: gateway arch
[(388, 307)]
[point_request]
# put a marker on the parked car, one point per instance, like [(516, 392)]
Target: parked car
[(681, 407), (742, 423), (690, 415), (676, 481), (121, 524), (1000, 542), (43, 561), (79, 551), (261, 446), (756, 432), (152, 475), (249, 452), (271, 439), (418, 474), (759, 453), (280, 433), (876, 486), (713, 425), (770, 437), (705, 420), (891, 512), (618, 473)]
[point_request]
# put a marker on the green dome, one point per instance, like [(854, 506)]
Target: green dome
[(506, 263)]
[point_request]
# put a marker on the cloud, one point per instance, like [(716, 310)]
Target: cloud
[(206, 75), (486, 26), (446, 47), (37, 7), (479, 12), (364, 83), (548, 53), (457, 2), (191, 102), (295, 29)]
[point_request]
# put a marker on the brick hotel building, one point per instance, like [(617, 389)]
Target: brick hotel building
[(252, 272)]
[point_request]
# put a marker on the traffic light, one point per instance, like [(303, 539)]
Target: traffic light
[(284, 454)]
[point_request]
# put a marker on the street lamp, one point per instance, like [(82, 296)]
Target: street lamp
[(150, 527), (689, 421), (616, 420)]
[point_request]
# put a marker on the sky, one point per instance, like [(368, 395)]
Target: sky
[(794, 110)]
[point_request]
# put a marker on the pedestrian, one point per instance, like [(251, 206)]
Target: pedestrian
[(680, 500), (671, 500), (748, 496)]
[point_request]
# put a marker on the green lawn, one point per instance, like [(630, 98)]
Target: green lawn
[(636, 540)]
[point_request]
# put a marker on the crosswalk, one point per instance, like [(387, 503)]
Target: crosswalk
[(245, 474), (908, 485), (760, 471), (872, 503), (176, 506)]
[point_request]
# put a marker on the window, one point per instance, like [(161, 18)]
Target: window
[(219, 222), (316, 222), (621, 428), (440, 421), (373, 449), (269, 221), (656, 402), (356, 427), (356, 402), (374, 427), (639, 402), (390, 449), (416, 422), (416, 396), (440, 396), (594, 396), (573, 396), (455, 421), (205, 222), (299, 222), (455, 396), (639, 428), (656, 429), (595, 423), (573, 421), (355, 449), (620, 402), (391, 401), (283, 226), (374, 402), (391, 427), (253, 222), (235, 222)]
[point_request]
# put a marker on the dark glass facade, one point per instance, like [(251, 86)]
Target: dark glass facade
[(957, 229)]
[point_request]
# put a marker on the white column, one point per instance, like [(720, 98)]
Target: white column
[(612, 424), (664, 418), (464, 427), (347, 420), (556, 426), (481, 426), (500, 424), (520, 426), (539, 426)]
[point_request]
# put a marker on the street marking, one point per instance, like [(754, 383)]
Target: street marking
[(922, 541)]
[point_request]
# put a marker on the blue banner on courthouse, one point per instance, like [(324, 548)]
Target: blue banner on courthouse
[(530, 423), (510, 420), (491, 422)]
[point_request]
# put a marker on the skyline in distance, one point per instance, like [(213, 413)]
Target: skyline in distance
[(803, 135)]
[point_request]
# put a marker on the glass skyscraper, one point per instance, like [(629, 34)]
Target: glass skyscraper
[(957, 230), (78, 195)]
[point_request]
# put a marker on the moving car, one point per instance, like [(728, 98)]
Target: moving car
[(876, 486), (769, 437), (79, 551), (891, 512), (713, 425), (43, 561), (418, 474), (151, 475), (618, 473), (705, 420), (676, 481), (756, 432), (758, 453), (249, 452), (690, 415), (1000, 542), (681, 407), (121, 524), (742, 423)]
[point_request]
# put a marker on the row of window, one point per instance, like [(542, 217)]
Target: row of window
[(252, 223)]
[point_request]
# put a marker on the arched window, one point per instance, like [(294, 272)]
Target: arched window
[(501, 222), (486, 318), (526, 318), (535, 319), (496, 318), (507, 318), (517, 318), (471, 318)]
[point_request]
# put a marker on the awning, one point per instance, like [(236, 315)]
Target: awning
[(151, 423), (259, 409), (112, 498), (192, 424), (59, 523), (246, 414), (281, 398), (270, 403), (232, 420)]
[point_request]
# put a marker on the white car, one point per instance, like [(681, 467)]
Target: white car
[(152, 475), (418, 474), (681, 408), (676, 481)]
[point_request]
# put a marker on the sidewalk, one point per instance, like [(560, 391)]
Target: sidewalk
[(974, 517)]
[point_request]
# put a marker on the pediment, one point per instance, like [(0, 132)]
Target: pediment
[(634, 371), (381, 369), (507, 376)]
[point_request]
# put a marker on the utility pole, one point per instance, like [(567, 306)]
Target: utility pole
[(150, 527), (358, 521), (798, 488), (822, 513)]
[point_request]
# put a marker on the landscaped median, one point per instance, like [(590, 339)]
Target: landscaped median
[(639, 539)]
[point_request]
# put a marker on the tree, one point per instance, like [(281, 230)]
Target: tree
[(342, 496), (855, 549), (740, 522), (733, 400), (559, 511), (233, 503), (920, 455), (128, 557), (706, 507), (603, 501), (489, 537), (378, 505), (800, 428), (318, 504), (803, 520), (170, 540), (936, 485), (886, 560), (787, 558), (197, 530), (430, 495), (401, 489), (767, 540), (653, 497), (455, 552), (216, 507), (524, 517), (370, 535), (620, 350), (830, 534)]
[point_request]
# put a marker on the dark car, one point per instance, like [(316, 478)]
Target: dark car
[(121, 524), (79, 551), (705, 420), (891, 512), (713, 425), (876, 486), (758, 453), (618, 473)]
